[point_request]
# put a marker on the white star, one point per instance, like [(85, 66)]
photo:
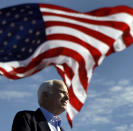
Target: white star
[(25, 19), (1, 51), (16, 16), (30, 31), (37, 33), (21, 27), (14, 46), (0, 12), (3, 22), (18, 37), (33, 42), (27, 6), (30, 50), (5, 43), (10, 54), (12, 24), (8, 14), (5, 58), (9, 34), (18, 56), (22, 10), (14, 9), (38, 41), (30, 12), (23, 49), (27, 40), (1, 31), (33, 21)]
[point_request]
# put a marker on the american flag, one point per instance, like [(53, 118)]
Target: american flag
[(34, 36)]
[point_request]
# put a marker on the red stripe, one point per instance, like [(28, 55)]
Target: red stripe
[(56, 7), (61, 72), (117, 25), (111, 10), (74, 100), (13, 75), (69, 120), (94, 52), (74, 55), (110, 51), (9, 74), (112, 24), (127, 38), (57, 52), (68, 71), (35, 71), (98, 12), (104, 38)]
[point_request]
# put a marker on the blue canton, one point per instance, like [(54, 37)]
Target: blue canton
[(21, 32)]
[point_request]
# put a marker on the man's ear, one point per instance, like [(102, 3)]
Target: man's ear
[(45, 95)]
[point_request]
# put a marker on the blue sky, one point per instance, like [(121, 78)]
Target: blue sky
[(109, 105)]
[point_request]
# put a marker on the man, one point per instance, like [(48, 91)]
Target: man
[(52, 99)]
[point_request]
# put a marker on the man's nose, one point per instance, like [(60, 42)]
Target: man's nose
[(66, 97)]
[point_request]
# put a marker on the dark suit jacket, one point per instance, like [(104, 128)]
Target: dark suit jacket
[(30, 121)]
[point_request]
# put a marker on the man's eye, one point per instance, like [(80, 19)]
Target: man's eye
[(61, 92)]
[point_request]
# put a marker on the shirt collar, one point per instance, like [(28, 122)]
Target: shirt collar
[(50, 117)]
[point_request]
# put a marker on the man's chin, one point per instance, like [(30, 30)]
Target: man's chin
[(64, 103), (63, 107)]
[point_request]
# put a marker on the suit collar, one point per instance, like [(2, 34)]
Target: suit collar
[(48, 115), (41, 120)]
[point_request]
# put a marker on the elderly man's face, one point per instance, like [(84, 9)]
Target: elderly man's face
[(59, 98)]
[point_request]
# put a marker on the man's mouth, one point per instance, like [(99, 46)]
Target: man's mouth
[(64, 102)]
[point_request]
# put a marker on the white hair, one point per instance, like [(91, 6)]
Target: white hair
[(46, 86)]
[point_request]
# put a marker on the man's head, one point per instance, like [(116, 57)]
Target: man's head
[(53, 96)]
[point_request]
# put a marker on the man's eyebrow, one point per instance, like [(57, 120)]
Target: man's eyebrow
[(62, 91)]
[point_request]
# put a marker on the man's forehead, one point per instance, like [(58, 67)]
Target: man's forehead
[(61, 87)]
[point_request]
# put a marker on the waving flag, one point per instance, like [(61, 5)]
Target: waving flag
[(34, 36)]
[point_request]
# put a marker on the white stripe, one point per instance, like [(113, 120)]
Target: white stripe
[(90, 72), (71, 111), (119, 45), (29, 72), (77, 87), (109, 31), (8, 65), (75, 47), (120, 17), (125, 18), (117, 17), (54, 44), (101, 46), (67, 80), (75, 82), (46, 46), (101, 59), (78, 91)]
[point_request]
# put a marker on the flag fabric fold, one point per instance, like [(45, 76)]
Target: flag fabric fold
[(34, 36)]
